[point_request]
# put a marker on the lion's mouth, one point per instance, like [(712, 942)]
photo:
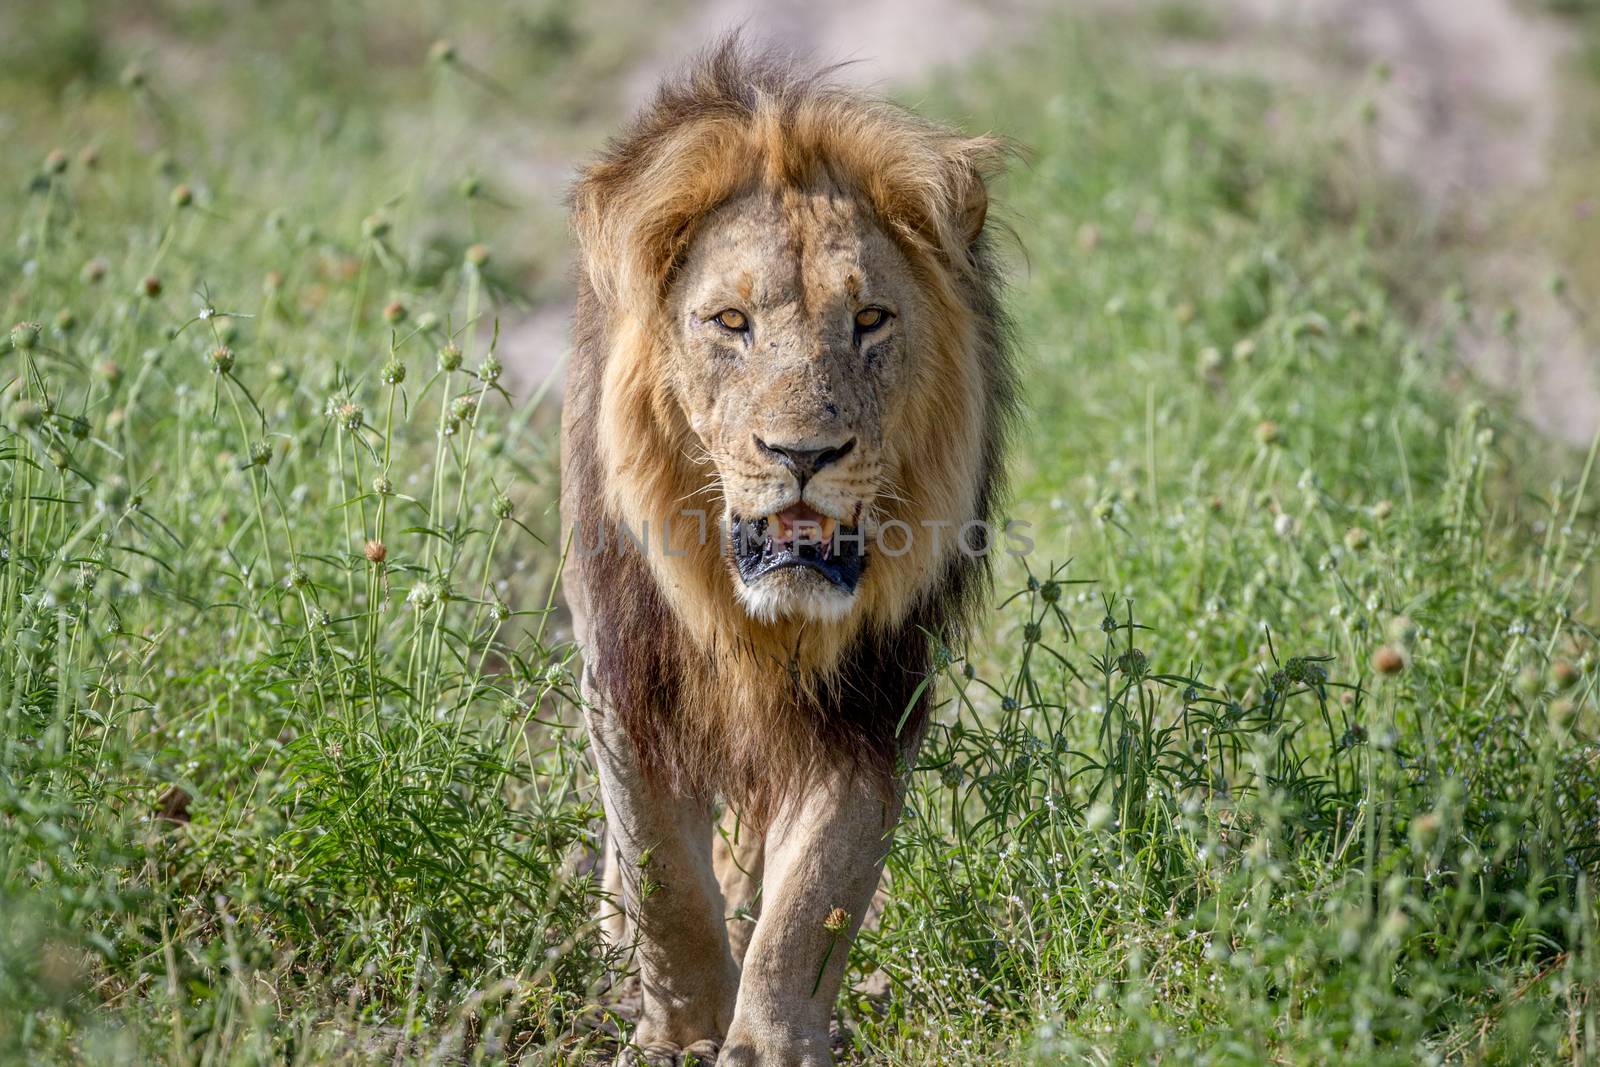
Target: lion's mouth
[(797, 536)]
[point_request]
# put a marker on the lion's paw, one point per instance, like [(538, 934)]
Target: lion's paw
[(745, 1053), (665, 1054)]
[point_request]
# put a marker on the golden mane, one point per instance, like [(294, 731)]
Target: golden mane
[(715, 700)]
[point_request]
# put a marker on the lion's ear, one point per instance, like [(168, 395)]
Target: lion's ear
[(973, 161), (974, 208), (598, 204)]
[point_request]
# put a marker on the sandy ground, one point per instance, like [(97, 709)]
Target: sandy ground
[(1467, 116)]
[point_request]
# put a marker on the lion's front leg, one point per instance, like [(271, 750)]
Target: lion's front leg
[(824, 856), (662, 846)]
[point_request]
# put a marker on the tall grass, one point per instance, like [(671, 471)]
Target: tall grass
[(1281, 746), (276, 658), (1304, 771)]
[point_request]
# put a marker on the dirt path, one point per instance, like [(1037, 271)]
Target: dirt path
[(886, 43), (1467, 117)]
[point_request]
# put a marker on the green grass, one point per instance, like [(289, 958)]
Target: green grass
[(265, 798)]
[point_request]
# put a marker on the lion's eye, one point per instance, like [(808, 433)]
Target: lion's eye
[(871, 318), (732, 319)]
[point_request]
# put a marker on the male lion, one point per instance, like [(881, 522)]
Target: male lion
[(788, 326)]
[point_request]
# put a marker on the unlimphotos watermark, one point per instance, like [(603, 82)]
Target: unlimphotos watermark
[(693, 528)]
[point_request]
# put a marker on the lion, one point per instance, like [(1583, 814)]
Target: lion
[(786, 413)]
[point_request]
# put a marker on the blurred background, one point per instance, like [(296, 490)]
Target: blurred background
[(1283, 745), (1483, 110)]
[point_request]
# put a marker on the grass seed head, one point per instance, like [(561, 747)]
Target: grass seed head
[(182, 196), (221, 359), (394, 313), (26, 414), (25, 336), (1560, 715), (442, 53), (55, 162), (1268, 432), (450, 357), (1388, 660), (1564, 673), (376, 551), (393, 373), (151, 286), (94, 271), (1133, 663), (836, 921), (477, 255), (1401, 630), (1356, 539)]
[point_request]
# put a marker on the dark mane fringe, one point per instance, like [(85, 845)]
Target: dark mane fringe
[(864, 714)]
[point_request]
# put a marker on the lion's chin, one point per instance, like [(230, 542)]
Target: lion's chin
[(796, 593)]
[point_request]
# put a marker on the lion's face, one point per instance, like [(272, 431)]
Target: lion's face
[(797, 325)]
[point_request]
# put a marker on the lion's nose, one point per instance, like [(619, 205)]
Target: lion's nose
[(805, 462)]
